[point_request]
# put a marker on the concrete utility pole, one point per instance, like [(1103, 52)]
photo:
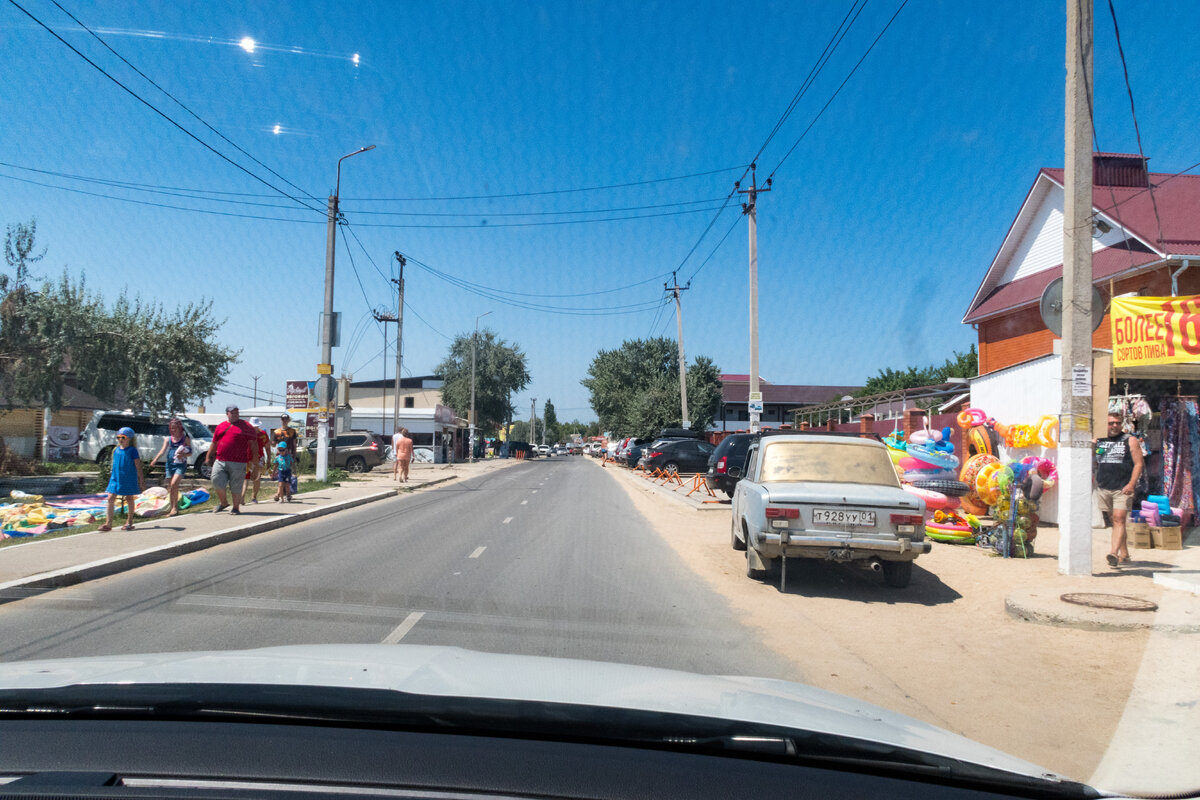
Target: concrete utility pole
[(474, 341), (749, 208), (1075, 420), (255, 379), (399, 336), (532, 420), (385, 317), (325, 368), (676, 289)]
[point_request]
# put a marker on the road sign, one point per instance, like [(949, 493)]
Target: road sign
[(756, 396), (324, 369), (756, 407)]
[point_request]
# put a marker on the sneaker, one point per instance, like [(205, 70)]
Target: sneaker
[(254, 500), (220, 508), (235, 511)]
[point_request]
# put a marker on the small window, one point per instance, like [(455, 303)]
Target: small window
[(751, 462), (408, 402), (111, 422)]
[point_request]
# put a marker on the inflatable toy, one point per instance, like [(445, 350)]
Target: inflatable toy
[(981, 440), (1045, 470), (933, 500), (971, 418), (1047, 431)]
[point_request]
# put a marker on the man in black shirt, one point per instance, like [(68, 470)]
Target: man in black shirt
[(1118, 465)]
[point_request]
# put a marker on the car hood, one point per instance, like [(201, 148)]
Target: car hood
[(459, 673), (852, 493)]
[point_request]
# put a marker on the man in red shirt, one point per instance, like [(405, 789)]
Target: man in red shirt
[(232, 448)]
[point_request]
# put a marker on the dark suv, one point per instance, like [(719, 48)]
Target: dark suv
[(726, 464), (354, 451)]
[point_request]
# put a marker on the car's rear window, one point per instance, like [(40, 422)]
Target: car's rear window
[(828, 463)]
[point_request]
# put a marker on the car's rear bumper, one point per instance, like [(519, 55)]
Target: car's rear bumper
[(819, 545)]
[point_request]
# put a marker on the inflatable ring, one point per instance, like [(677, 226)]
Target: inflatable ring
[(1047, 431), (985, 483), (184, 503), (933, 500), (932, 457), (970, 418), (1021, 436), (1045, 470), (981, 440), (973, 465)]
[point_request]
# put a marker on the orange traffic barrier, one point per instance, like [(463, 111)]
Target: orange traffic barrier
[(699, 483)]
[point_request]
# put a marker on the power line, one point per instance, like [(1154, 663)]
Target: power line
[(838, 91), (464, 282), (625, 185), (161, 205), (1136, 128), (532, 213), (715, 249), (161, 113), (413, 311), (180, 102), (346, 226), (486, 224)]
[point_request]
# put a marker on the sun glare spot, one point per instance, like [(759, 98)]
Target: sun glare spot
[(276, 130), (247, 44), (355, 59)]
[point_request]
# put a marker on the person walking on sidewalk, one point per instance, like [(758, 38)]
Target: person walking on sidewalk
[(1118, 463), (402, 451), (283, 473), (232, 447), (285, 433), (127, 480), (260, 459), (176, 448)]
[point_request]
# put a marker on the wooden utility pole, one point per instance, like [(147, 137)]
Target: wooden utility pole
[(749, 208), (1075, 420), (676, 289)]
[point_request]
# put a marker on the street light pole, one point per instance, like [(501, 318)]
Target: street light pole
[(474, 340), (325, 369)]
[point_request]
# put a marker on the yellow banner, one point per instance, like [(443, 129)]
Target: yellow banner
[(1155, 330)]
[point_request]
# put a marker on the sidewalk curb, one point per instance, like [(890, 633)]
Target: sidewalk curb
[(1080, 618), (71, 576)]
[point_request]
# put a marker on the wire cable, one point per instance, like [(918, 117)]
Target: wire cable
[(483, 287), (533, 213), (161, 113), (1133, 112), (838, 90), (715, 249), (485, 224), (180, 102)]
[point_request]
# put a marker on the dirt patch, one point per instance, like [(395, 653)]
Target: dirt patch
[(942, 650)]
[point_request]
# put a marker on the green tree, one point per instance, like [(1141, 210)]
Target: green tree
[(635, 388), (961, 365), (135, 353), (519, 431), (550, 424), (500, 370)]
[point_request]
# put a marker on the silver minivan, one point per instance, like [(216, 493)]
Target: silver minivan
[(99, 437)]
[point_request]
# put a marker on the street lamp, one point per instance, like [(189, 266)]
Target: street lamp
[(473, 341), (325, 368)]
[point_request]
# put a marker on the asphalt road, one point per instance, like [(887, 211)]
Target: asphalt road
[(548, 557)]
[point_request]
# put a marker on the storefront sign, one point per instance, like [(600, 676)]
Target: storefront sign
[(1155, 330), (301, 395)]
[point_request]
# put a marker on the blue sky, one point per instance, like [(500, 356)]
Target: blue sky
[(878, 229)]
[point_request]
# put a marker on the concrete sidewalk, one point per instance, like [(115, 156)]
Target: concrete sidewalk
[(41, 565)]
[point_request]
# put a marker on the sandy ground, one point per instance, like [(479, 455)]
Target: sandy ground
[(942, 650)]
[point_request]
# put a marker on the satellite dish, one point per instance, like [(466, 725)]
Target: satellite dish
[(1051, 306)]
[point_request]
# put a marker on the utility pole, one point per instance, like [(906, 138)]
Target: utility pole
[(676, 289), (399, 336), (749, 208), (385, 317), (255, 379), (532, 420), (1075, 423), (325, 368)]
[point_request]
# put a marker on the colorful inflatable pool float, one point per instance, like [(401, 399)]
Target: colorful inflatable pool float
[(933, 457), (971, 417), (933, 500), (952, 534)]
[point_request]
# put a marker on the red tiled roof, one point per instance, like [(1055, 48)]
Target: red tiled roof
[(779, 393), (1023, 291), (1178, 201)]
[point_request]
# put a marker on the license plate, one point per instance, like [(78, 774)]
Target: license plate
[(838, 516)]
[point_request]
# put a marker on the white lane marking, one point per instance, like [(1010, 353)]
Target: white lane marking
[(524, 502), (506, 520), (478, 552), (403, 628)]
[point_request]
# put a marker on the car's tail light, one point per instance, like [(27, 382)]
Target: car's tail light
[(655, 454), (374, 445), (774, 512), (907, 523), (721, 465)]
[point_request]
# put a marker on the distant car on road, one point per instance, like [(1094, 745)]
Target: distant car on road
[(355, 451), (826, 497), (726, 463), (543, 449), (678, 455)]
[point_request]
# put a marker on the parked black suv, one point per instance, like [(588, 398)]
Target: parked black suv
[(728, 461), (678, 455)]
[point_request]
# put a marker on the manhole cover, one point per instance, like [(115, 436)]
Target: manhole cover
[(1117, 601)]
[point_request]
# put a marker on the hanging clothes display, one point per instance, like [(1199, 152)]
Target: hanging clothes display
[(1181, 448)]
